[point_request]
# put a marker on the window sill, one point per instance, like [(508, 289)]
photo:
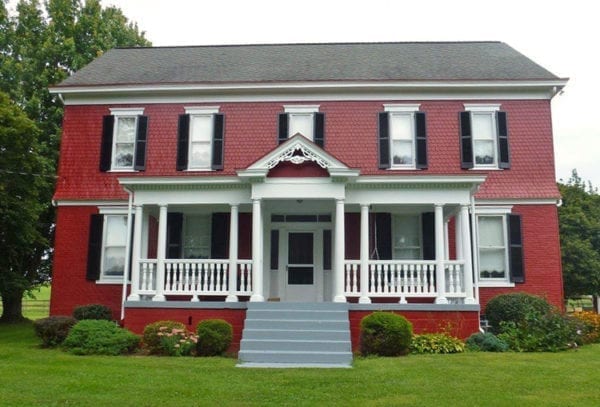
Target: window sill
[(486, 169), (199, 170), (495, 284), (403, 169), (122, 170), (111, 282)]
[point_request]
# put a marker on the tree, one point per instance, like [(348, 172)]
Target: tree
[(39, 47), (579, 219)]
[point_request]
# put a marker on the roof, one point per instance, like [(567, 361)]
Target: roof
[(400, 61)]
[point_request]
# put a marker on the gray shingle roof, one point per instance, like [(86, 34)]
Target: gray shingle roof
[(416, 61)]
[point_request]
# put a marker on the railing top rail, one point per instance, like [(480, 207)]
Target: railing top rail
[(198, 261), (148, 260), (402, 261)]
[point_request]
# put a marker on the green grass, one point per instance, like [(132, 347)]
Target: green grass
[(31, 376), (36, 306)]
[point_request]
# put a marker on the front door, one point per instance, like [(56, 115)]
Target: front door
[(300, 279)]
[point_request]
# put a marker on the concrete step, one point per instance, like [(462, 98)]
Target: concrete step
[(293, 314), (296, 345), (326, 306), (297, 324), (326, 358), (293, 334)]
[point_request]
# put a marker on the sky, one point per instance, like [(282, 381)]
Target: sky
[(562, 36)]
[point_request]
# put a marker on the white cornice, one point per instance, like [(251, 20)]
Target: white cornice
[(72, 202), (518, 201)]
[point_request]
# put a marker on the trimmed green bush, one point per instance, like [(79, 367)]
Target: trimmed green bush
[(385, 334), (513, 308), (151, 338), (214, 337), (100, 337), (53, 330), (436, 343), (486, 342), (92, 311)]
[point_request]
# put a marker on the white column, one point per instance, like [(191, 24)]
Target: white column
[(136, 254), (257, 255), (364, 255), (439, 255), (161, 254), (458, 225), (340, 236), (233, 254), (466, 253)]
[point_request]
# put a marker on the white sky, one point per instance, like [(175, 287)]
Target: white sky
[(562, 36)]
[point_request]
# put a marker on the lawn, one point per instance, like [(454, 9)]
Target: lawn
[(32, 376)]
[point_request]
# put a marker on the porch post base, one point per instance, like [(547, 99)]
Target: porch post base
[(470, 300), (441, 300), (231, 298), (133, 297), (159, 297), (257, 298), (364, 300), (339, 298)]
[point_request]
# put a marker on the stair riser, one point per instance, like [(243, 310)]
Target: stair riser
[(324, 306), (276, 357), (296, 325), (296, 335), (298, 346), (298, 314)]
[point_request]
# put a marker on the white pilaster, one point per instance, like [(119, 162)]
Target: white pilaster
[(161, 253), (339, 255), (364, 255), (257, 263), (233, 254), (136, 254), (439, 255), (466, 254)]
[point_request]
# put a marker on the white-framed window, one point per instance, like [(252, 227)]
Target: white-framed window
[(200, 146), (484, 131), (493, 248), (301, 119), (196, 236), (124, 137), (407, 237), (402, 131), (114, 243)]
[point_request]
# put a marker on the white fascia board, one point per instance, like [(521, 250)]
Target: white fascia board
[(421, 179), (73, 202), (155, 181), (518, 201)]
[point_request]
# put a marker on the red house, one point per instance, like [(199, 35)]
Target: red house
[(209, 181)]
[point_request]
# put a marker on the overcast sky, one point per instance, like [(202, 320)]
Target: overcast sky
[(562, 36)]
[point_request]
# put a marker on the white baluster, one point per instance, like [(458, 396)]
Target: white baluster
[(152, 270), (386, 281), (167, 276), (249, 280), (143, 277), (224, 278), (243, 277), (213, 281), (355, 273), (347, 269)]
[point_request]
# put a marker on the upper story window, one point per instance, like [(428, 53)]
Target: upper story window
[(200, 139), (124, 136), (306, 120), (484, 137), (402, 137)]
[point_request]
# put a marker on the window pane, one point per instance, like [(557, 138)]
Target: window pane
[(125, 129), (201, 128), (200, 157), (401, 127), (114, 261), (484, 151), (301, 123), (407, 254), (124, 155), (116, 230), (483, 126), (402, 152), (492, 263), (407, 237), (491, 232), (196, 242)]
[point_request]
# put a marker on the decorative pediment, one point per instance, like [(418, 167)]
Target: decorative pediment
[(298, 150)]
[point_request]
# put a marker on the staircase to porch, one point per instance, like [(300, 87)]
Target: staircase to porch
[(286, 334)]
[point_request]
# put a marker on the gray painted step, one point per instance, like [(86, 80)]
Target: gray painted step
[(292, 334), (327, 306), (296, 324), (299, 314), (257, 356), (295, 345)]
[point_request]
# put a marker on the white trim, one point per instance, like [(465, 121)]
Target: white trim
[(492, 210), (491, 281), (201, 110), (401, 108), (110, 281), (126, 111), (482, 107), (113, 210), (421, 179), (301, 108), (487, 283), (518, 201), (67, 202)]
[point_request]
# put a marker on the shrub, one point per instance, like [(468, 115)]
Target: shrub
[(590, 326), (513, 308), (53, 330), (92, 311), (436, 343), (99, 337), (177, 342), (152, 339), (385, 334), (214, 337), (487, 342)]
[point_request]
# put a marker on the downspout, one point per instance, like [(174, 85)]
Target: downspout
[(475, 255), (127, 254)]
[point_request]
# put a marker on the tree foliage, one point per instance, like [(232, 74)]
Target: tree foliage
[(579, 218), (41, 45)]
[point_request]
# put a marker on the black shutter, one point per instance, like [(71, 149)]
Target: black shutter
[(141, 138), (174, 235), (383, 223), (94, 247), (219, 237), (421, 139), (108, 123), (428, 223), (183, 138), (466, 141), (503, 149), (217, 153), (319, 129), (384, 141), (283, 128), (515, 260), (274, 249)]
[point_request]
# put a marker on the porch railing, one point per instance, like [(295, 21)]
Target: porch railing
[(404, 279), (194, 277)]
